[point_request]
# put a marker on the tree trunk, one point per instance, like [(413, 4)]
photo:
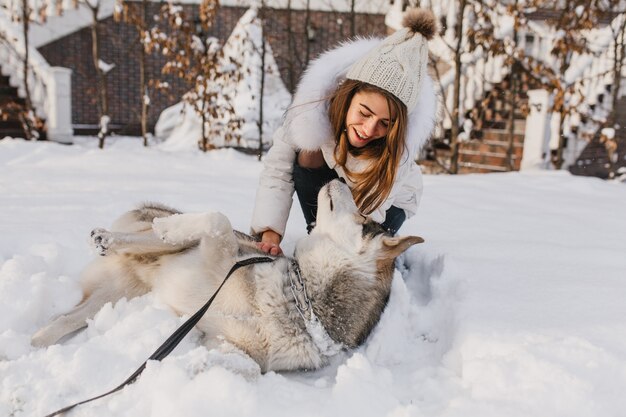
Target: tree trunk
[(352, 19), (307, 23), (510, 165), (262, 86), (454, 131), (26, 119), (145, 103), (102, 85), (558, 158), (205, 134), (143, 85), (291, 48), (564, 65), (619, 50)]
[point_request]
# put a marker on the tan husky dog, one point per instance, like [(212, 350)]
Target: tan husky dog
[(292, 313)]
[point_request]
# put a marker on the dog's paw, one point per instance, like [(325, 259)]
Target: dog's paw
[(102, 240)]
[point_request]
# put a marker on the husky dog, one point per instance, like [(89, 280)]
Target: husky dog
[(292, 313)]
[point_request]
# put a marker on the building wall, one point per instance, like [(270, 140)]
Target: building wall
[(119, 45)]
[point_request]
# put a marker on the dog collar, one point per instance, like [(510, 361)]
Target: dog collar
[(322, 340)]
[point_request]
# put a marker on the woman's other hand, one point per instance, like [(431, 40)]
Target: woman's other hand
[(270, 241)]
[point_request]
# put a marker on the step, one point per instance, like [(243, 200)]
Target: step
[(517, 147), (11, 123), (490, 153), (503, 125), (519, 126), (8, 91), (469, 168), (500, 153), (502, 135), (4, 100), (4, 81), (490, 146), (484, 146), (489, 160), (14, 133), (492, 124)]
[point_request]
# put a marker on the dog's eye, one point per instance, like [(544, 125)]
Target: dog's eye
[(332, 207)]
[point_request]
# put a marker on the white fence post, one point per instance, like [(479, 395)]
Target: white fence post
[(59, 120), (537, 135)]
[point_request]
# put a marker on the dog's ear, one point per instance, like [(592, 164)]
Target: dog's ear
[(394, 246)]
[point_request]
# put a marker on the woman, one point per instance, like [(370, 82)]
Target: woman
[(361, 113)]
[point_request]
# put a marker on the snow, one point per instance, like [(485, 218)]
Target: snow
[(514, 305), (105, 67), (608, 132)]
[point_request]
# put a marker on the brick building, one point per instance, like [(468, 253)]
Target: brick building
[(119, 45)]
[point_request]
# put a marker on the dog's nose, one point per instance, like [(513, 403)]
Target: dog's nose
[(342, 180)]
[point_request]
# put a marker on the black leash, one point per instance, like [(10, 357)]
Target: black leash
[(168, 346)]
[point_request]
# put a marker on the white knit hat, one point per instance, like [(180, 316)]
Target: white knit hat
[(398, 64)]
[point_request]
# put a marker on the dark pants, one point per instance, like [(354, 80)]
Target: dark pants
[(308, 181)]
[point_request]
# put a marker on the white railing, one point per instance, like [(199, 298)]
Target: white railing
[(589, 73), (49, 87), (592, 78)]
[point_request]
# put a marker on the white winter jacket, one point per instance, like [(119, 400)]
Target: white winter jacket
[(307, 127)]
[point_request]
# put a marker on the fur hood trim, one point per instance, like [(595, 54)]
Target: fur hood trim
[(306, 121)]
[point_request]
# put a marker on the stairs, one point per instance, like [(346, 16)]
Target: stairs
[(487, 150), (490, 154), (9, 101), (11, 105)]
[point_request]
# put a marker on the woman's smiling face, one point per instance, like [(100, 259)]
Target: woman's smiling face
[(368, 118)]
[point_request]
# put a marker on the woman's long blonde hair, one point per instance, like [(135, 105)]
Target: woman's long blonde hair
[(372, 187)]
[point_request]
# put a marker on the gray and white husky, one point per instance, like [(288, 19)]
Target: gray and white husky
[(292, 313)]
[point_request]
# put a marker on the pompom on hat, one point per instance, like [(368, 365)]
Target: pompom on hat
[(399, 63)]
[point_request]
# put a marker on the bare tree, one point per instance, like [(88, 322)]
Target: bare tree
[(291, 47), (199, 60), (135, 14), (102, 69), (456, 95), (25, 19), (262, 77), (352, 18), (308, 28), (619, 55), (514, 91)]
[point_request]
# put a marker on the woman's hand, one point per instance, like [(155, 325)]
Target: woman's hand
[(269, 243)]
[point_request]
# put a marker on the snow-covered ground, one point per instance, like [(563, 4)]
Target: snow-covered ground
[(514, 305)]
